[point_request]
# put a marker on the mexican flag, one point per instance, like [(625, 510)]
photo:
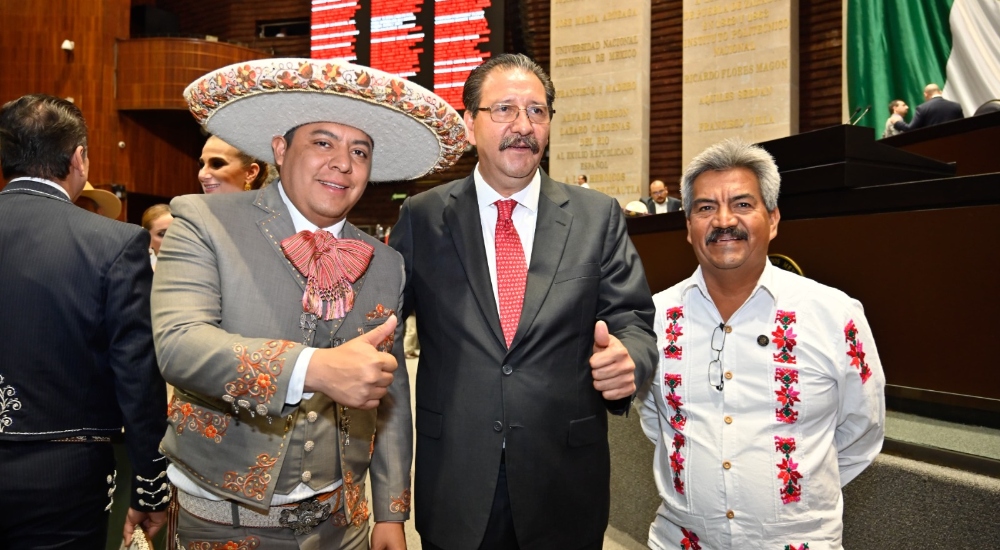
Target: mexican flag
[(896, 47)]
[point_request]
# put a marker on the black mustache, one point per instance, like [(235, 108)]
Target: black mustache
[(730, 231), (527, 141)]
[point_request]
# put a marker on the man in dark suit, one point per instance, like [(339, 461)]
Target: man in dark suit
[(934, 110), (74, 291), (535, 320), (659, 202)]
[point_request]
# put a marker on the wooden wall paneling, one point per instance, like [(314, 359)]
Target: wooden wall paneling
[(161, 152), (33, 62), (820, 64), (153, 72)]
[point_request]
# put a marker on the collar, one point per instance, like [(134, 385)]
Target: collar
[(527, 197), (301, 223), (50, 183), (766, 282)]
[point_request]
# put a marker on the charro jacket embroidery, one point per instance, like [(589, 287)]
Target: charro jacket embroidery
[(788, 470), (787, 395), (356, 503), (380, 312), (856, 353), (400, 504), (248, 543), (258, 375), (8, 403), (803, 546), (184, 415), (784, 337), (254, 483)]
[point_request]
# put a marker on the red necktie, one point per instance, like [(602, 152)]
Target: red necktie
[(512, 270), (329, 265)]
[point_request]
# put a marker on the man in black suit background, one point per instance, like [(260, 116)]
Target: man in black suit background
[(74, 292), (659, 201), (934, 110), (535, 320)]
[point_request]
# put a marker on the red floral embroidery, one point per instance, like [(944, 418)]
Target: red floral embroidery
[(401, 504), (187, 416), (690, 540), (248, 543), (673, 332), (788, 470), (254, 483), (857, 352), (677, 421), (677, 462), (259, 371), (784, 337), (787, 395), (804, 546)]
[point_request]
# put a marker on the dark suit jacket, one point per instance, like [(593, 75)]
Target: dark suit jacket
[(935, 110), (74, 292), (473, 394), (673, 205)]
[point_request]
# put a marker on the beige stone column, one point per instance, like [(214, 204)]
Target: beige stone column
[(600, 68), (741, 69)]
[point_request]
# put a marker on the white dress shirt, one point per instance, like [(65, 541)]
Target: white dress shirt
[(524, 216), (717, 462)]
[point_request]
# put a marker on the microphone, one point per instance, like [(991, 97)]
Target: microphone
[(862, 115), (850, 119)]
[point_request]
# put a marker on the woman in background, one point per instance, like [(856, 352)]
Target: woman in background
[(226, 169), (156, 219)]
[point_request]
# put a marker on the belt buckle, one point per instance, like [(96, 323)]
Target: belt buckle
[(306, 515)]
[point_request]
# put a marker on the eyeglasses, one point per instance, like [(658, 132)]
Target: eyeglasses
[(502, 112), (717, 362)]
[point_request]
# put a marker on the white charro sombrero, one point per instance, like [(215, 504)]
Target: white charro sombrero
[(246, 104)]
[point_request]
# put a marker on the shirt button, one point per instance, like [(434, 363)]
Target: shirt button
[(730, 514), (729, 375), (728, 329), (310, 445), (312, 416), (728, 419), (507, 369), (727, 465), (306, 476), (497, 426)]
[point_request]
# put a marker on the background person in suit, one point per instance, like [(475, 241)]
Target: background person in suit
[(897, 112), (274, 317), (534, 317), (74, 291), (934, 110), (659, 201)]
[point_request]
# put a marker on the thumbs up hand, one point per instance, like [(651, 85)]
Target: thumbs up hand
[(355, 374), (612, 367)]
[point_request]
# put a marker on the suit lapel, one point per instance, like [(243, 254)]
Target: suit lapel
[(551, 231), (277, 226), (461, 214)]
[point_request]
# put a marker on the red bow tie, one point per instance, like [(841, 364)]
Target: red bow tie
[(329, 265)]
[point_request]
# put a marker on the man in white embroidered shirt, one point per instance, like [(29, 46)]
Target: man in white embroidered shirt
[(769, 394)]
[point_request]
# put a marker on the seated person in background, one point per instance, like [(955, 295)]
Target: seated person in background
[(659, 201), (793, 407), (897, 111), (156, 219), (226, 169), (99, 201), (934, 110)]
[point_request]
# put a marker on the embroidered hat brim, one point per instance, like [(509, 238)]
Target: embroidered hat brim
[(246, 104)]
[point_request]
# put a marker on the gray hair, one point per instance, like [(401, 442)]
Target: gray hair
[(734, 153), (472, 94)]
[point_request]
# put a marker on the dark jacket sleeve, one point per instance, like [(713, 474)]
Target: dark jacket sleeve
[(139, 387), (625, 302)]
